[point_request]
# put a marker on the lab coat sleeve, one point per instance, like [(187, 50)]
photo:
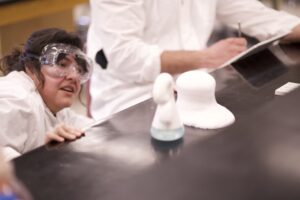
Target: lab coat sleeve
[(15, 115), (256, 19), (10, 153), (120, 25), (71, 118)]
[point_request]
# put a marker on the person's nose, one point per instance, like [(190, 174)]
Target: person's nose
[(73, 73)]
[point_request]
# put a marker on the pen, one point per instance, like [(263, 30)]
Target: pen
[(239, 29)]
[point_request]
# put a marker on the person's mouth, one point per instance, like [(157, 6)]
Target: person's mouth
[(69, 89)]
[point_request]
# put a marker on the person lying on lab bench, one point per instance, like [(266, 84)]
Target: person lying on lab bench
[(40, 84)]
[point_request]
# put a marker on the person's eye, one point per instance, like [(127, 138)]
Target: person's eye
[(80, 70), (82, 63), (62, 64)]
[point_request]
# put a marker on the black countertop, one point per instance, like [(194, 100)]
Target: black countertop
[(255, 158)]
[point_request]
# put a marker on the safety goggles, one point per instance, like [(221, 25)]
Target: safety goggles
[(62, 59)]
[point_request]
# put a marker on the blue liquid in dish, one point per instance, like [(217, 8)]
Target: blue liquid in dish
[(167, 135)]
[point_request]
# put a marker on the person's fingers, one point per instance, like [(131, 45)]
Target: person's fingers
[(236, 41), (73, 131), (53, 137), (237, 49), (229, 45), (62, 131), (236, 45), (241, 42)]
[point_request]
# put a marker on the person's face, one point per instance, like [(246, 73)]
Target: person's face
[(60, 92)]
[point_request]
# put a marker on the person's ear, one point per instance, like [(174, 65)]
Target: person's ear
[(33, 76)]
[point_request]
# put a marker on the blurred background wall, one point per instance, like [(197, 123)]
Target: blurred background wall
[(19, 18)]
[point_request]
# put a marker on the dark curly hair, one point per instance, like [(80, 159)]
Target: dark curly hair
[(20, 60)]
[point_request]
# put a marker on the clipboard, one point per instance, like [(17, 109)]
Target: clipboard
[(260, 68), (254, 49)]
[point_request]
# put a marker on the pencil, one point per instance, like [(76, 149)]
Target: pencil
[(239, 29)]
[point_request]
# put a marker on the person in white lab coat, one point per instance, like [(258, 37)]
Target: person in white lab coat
[(40, 84), (142, 38)]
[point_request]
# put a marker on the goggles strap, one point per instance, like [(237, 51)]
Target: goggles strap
[(30, 55)]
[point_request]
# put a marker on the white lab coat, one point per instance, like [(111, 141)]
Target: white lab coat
[(25, 119), (133, 33)]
